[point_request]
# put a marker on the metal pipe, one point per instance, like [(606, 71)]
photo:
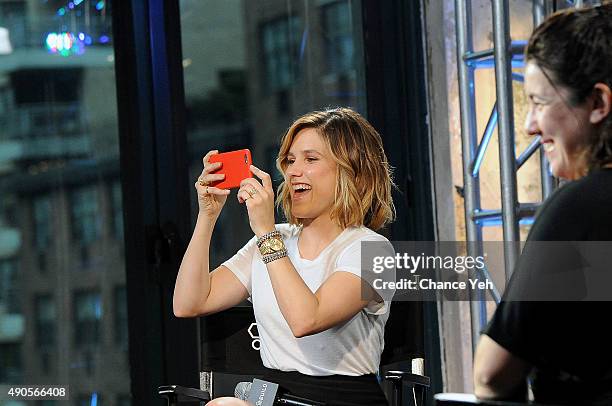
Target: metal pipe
[(540, 11), (488, 63), (517, 77), (484, 142), (471, 184), (525, 155), (494, 291), (507, 155), (517, 48), (525, 210)]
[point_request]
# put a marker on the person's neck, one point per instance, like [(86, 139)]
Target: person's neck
[(317, 234)]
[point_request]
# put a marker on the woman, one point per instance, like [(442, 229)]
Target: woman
[(568, 80), (321, 332)]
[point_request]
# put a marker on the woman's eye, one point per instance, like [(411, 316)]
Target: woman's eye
[(311, 159), (290, 161)]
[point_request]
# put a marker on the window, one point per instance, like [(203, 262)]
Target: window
[(58, 140), (85, 215), (281, 52), (14, 20), (87, 318), (121, 317), (10, 359), (338, 37), (117, 208), (6, 108), (264, 62), (9, 290), (42, 222), (46, 319)]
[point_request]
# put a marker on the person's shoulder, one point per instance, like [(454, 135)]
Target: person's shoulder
[(575, 211), (356, 239), (583, 193), (597, 185), (287, 230), (363, 233)]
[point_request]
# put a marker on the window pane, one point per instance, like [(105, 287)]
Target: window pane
[(338, 41), (9, 290), (117, 210), (250, 68), (46, 319), (84, 212), (59, 182), (87, 317), (121, 317), (42, 221)]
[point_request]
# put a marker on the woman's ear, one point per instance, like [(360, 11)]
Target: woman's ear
[(603, 103)]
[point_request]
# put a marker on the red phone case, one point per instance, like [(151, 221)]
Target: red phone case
[(236, 167)]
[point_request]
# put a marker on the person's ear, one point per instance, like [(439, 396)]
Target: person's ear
[(603, 103)]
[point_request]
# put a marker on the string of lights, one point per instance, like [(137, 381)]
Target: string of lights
[(66, 42)]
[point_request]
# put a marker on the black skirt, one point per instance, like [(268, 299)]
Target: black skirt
[(334, 390)]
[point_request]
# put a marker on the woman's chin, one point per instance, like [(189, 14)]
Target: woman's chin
[(557, 171), (299, 213)]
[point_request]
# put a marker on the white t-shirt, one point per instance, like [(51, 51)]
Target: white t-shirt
[(351, 348)]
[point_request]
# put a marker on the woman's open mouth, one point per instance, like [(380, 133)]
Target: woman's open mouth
[(300, 190), (548, 147)]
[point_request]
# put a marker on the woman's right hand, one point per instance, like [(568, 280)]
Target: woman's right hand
[(210, 199)]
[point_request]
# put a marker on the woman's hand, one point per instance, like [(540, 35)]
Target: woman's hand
[(259, 199), (210, 199)]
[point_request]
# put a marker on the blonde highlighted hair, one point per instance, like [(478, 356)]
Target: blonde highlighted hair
[(364, 177)]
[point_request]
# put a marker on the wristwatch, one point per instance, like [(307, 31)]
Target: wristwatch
[(272, 245)]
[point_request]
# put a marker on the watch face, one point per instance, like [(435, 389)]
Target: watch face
[(271, 245), (276, 244)]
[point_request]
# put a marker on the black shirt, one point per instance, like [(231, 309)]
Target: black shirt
[(568, 337)]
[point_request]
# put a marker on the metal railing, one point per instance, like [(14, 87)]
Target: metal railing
[(504, 56)]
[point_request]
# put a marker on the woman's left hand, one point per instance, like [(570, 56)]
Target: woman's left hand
[(259, 199)]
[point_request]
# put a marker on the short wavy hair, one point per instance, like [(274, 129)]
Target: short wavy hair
[(573, 47), (364, 178)]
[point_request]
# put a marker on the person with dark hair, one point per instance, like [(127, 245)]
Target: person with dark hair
[(564, 347), (320, 322)]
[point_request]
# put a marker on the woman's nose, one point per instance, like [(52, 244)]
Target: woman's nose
[(531, 125), (294, 169)]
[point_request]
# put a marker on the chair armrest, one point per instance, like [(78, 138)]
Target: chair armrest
[(175, 394), (409, 377), (467, 399)]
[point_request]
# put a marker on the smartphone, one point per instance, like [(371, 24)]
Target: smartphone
[(236, 167)]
